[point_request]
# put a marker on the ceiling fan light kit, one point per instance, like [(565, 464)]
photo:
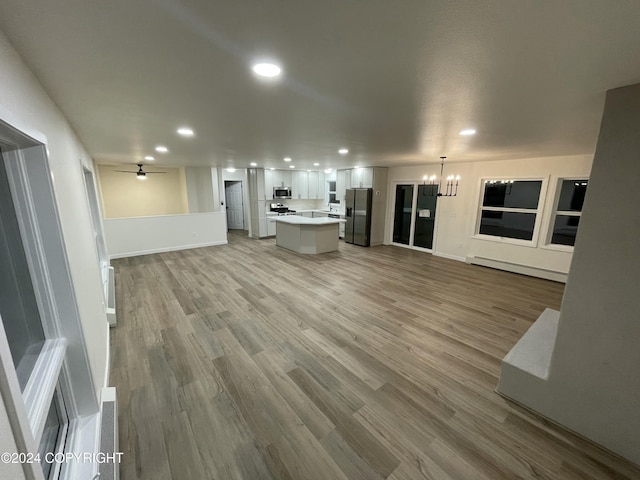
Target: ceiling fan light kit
[(140, 173)]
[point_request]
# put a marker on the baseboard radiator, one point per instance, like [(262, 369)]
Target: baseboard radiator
[(109, 435), (519, 268), (111, 298)]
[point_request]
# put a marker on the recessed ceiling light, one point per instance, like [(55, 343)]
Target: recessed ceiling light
[(269, 70), (287, 159), (343, 151), (468, 131), (292, 166), (272, 168), (185, 132), (316, 164), (231, 169), (149, 157), (253, 164), (162, 149)]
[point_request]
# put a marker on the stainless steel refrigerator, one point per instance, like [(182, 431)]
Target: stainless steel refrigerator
[(357, 211)]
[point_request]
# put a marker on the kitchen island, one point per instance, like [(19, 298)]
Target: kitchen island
[(307, 235)]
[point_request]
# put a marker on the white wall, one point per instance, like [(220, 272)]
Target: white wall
[(24, 98), (128, 237), (456, 216), (593, 386), (200, 189), (123, 195)]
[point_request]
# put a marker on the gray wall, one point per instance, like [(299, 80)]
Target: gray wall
[(594, 382)]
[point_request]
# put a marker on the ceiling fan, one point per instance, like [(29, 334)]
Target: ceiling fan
[(140, 174)]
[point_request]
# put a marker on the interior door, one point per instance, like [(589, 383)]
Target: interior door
[(235, 207)]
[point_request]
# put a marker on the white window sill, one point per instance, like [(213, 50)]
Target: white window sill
[(558, 248), (507, 240), (38, 393)]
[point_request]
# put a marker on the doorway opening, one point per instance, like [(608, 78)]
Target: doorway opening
[(235, 204), (414, 217)]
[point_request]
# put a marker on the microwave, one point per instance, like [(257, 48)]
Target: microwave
[(281, 192)]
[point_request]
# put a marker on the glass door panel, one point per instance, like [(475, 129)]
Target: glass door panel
[(402, 214), (425, 218)]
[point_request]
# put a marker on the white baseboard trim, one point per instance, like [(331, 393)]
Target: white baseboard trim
[(167, 249), (517, 268), (449, 256)]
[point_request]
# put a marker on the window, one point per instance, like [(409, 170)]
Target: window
[(509, 209), (45, 375), (18, 306), (332, 192), (568, 210), (31, 351)]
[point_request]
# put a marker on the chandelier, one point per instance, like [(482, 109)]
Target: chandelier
[(451, 187)]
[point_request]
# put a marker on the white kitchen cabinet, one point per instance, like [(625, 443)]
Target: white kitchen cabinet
[(268, 184), (271, 225), (281, 178), (317, 186), (299, 185), (314, 185), (341, 185), (362, 178)]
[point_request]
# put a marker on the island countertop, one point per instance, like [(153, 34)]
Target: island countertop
[(299, 220)]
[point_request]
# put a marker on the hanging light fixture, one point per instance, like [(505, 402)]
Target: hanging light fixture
[(451, 189)]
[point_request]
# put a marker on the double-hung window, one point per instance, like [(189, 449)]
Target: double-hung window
[(45, 376), (568, 209), (37, 356), (509, 209)]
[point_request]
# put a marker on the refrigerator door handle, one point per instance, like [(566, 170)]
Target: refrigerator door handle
[(348, 212)]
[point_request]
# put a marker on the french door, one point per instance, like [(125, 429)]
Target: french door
[(414, 215)]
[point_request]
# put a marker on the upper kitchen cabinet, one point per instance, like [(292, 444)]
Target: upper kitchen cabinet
[(304, 185), (299, 185), (317, 186), (275, 178), (362, 177), (341, 184), (281, 178), (268, 184)]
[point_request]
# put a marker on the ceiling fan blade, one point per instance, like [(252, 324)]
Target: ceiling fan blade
[(124, 171), (153, 172)]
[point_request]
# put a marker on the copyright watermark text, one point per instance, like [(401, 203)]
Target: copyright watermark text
[(61, 457)]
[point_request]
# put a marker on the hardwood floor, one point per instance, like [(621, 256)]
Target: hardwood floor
[(247, 361)]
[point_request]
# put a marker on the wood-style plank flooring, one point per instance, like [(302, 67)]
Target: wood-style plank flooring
[(246, 361)]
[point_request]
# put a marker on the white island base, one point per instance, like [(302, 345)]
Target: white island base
[(307, 235)]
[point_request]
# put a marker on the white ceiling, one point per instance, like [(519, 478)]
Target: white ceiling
[(392, 80)]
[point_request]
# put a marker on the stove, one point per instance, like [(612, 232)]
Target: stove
[(281, 209)]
